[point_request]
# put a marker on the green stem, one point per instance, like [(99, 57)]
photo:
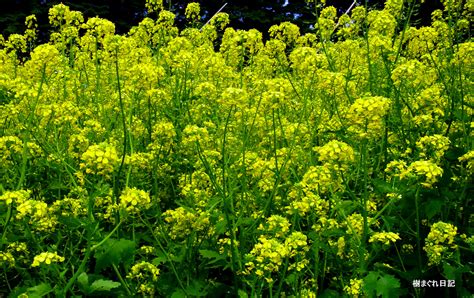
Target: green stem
[(418, 236), (122, 281), (85, 259), (7, 221), (364, 208), (173, 268)]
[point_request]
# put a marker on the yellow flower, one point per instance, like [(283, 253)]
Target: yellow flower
[(468, 158), (427, 171), (354, 288), (146, 275), (17, 197), (276, 225), (439, 241), (335, 154), (192, 11), (365, 116), (154, 5), (433, 146), (384, 237), (286, 32), (134, 200), (101, 159), (46, 258), (7, 259)]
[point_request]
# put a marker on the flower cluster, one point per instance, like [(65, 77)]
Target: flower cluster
[(308, 202), (275, 225), (181, 223), (365, 116), (192, 11), (336, 155), (284, 159), (433, 146), (100, 159), (354, 288), (440, 242), (9, 147), (134, 200), (469, 159), (424, 170), (7, 259), (268, 255), (47, 258), (145, 275), (37, 214), (384, 237), (15, 197)]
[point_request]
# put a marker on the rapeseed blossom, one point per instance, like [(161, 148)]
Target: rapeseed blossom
[(101, 159), (365, 116), (469, 159), (7, 259), (145, 274), (47, 258), (192, 11), (440, 242), (384, 237), (433, 146), (37, 214), (424, 170), (274, 158), (17, 197), (354, 288), (337, 155), (266, 258), (134, 200)]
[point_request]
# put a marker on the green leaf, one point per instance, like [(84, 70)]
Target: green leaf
[(370, 282), (178, 294), (83, 282), (291, 278), (197, 288), (178, 257), (39, 290), (104, 285), (454, 273), (114, 251), (449, 271), (159, 260), (387, 285), (242, 294), (328, 293), (433, 207), (214, 256), (382, 186), (210, 254)]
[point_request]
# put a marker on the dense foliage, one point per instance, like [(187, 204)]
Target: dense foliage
[(213, 162)]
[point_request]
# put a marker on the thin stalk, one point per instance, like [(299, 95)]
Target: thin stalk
[(418, 236), (122, 111), (122, 281), (362, 265), (157, 241), (82, 266)]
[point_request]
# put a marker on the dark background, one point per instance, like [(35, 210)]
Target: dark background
[(259, 14)]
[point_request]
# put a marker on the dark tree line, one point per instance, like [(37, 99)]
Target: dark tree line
[(245, 14)]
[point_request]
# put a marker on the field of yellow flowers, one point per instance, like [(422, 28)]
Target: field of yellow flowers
[(213, 162)]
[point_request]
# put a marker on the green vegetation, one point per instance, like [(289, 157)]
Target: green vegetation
[(213, 162)]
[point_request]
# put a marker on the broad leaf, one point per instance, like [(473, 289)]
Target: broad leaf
[(113, 252), (104, 285), (387, 286), (83, 282), (40, 290)]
